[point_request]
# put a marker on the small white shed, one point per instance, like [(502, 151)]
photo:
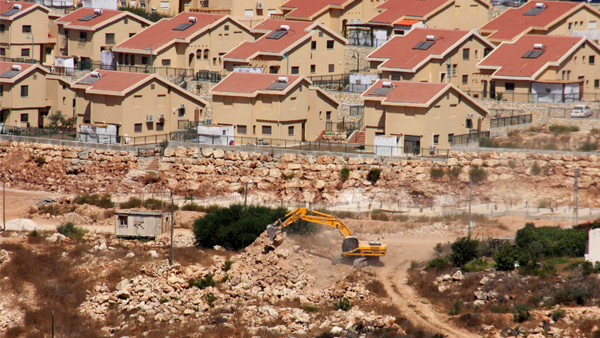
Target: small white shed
[(141, 224)]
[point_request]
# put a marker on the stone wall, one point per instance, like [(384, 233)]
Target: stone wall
[(350, 63), (305, 178)]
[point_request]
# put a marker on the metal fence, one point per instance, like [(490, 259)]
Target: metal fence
[(214, 77), (511, 121), (566, 113), (471, 137), (530, 97), (496, 113), (340, 82), (356, 110)]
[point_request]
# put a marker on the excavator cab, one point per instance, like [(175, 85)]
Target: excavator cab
[(349, 244)]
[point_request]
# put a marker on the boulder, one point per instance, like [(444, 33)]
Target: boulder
[(4, 256), (458, 276), (56, 238)]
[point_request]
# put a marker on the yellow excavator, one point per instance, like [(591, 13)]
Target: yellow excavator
[(360, 253)]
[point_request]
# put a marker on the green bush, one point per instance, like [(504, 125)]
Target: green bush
[(234, 227), (228, 265), (342, 304), (535, 168), (558, 314), (210, 299), (103, 201), (209, 209), (554, 242), (476, 265), (437, 172), (588, 146), (133, 202), (204, 282), (456, 308), (477, 174), (40, 160), (544, 203), (310, 308), (506, 257), (373, 175), (522, 313), (344, 173), (71, 231), (454, 171), (379, 215), (488, 143), (568, 295), (557, 129), (463, 251), (438, 263)]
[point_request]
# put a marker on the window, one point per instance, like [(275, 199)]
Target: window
[(132, 3), (313, 69), (266, 130), (2, 28), (206, 54), (25, 52), (465, 79), (137, 127), (64, 100), (242, 129), (164, 5), (477, 53), (575, 60), (295, 70), (24, 117), (1, 90), (329, 44), (465, 53), (509, 86), (123, 3), (291, 130), (144, 60), (592, 59), (143, 5), (320, 34), (199, 54), (469, 124), (568, 75), (570, 25), (2, 51), (332, 68), (131, 34), (454, 70), (82, 36), (436, 139), (48, 50), (313, 45), (152, 86), (328, 116), (562, 75), (166, 62), (591, 25), (226, 27), (597, 83), (395, 77), (254, 130), (26, 29), (25, 91), (450, 138), (160, 126), (486, 51), (249, 13), (181, 112), (109, 38)]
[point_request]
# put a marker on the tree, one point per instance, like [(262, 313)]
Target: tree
[(463, 250)]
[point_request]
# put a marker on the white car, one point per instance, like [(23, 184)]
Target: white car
[(581, 111)]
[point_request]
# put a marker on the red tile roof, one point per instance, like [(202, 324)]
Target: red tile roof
[(512, 23), (399, 50), (4, 6), (408, 92), (250, 83), (308, 8), (72, 19), (298, 30), (161, 34), (396, 9), (25, 67), (508, 56), (113, 81)]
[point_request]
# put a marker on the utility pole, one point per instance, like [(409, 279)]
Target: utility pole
[(4, 204), (575, 198), (52, 324), (470, 197), (172, 220)]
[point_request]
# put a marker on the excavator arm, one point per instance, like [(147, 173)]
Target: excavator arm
[(301, 214)]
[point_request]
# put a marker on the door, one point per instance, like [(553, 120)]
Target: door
[(412, 144), (303, 135), (191, 60), (484, 83), (85, 64), (492, 90)]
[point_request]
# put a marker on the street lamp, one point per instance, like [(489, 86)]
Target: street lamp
[(246, 193), (149, 47), (357, 57), (32, 45)]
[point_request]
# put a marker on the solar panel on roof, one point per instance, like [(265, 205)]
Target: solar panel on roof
[(526, 55), (277, 35), (88, 17), (533, 11), (532, 54), (182, 27), (418, 46), (380, 91), (9, 74), (88, 80), (424, 45), (10, 12), (278, 86)]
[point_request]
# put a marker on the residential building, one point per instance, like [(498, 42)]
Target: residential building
[(248, 12), (333, 14), (419, 114), (162, 7), (290, 47), (60, 97), (87, 33), (25, 32), (21, 104), (268, 106), (139, 104), (432, 55), (544, 18), (542, 68), (189, 40), (397, 17)]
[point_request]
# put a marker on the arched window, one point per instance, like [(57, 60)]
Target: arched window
[(358, 21), (206, 54), (351, 22), (199, 54)]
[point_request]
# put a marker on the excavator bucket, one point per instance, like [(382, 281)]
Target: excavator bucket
[(271, 231)]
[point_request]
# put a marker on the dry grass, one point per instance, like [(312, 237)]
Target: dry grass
[(376, 287)]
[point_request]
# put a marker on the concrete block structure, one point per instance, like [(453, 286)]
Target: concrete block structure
[(141, 224)]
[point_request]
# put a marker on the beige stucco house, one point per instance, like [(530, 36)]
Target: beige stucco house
[(162, 7), (290, 47), (25, 26), (432, 55), (138, 104), (272, 107), (188, 40), (60, 96), (249, 12), (87, 32), (561, 18), (419, 114), (542, 68), (21, 104)]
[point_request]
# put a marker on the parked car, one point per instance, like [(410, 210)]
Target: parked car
[(515, 3), (581, 111), (499, 2)]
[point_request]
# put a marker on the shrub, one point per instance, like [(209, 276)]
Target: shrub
[(310, 308), (512, 164), (488, 143), (344, 173), (40, 160), (522, 313), (454, 171), (557, 129), (437, 172), (555, 242), (544, 203), (342, 304), (588, 146), (210, 299), (463, 250), (535, 168), (102, 201), (438, 263), (506, 257), (133, 202), (558, 314), (477, 174), (71, 231), (203, 282), (550, 146), (572, 294), (379, 215), (476, 265), (234, 227), (228, 265), (373, 175), (241, 190), (456, 308)]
